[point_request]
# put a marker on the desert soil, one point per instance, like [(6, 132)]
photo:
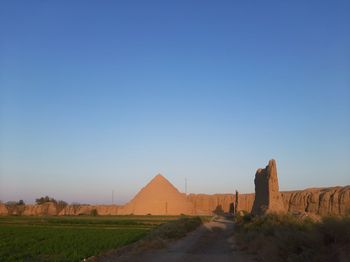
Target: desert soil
[(212, 241)]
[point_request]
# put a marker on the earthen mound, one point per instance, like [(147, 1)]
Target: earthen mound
[(158, 197)]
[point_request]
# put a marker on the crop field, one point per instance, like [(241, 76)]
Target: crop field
[(70, 238)]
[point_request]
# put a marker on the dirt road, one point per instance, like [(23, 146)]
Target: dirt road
[(212, 241)]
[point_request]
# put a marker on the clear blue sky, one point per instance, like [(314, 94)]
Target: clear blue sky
[(102, 95)]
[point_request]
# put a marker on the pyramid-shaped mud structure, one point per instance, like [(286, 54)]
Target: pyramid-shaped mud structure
[(158, 197)]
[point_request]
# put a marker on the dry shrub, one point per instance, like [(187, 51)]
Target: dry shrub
[(176, 229), (287, 238)]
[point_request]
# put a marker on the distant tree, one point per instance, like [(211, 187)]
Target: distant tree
[(12, 207), (75, 206), (41, 200), (45, 199), (60, 205), (11, 203), (20, 207), (232, 208), (218, 210), (15, 208), (94, 212)]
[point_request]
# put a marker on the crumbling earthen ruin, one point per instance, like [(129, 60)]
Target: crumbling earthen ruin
[(160, 197), (268, 199)]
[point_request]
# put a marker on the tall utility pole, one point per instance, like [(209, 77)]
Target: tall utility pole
[(186, 185)]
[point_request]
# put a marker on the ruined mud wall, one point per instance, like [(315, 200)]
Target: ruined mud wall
[(50, 209), (320, 201), (3, 210), (204, 204), (103, 210)]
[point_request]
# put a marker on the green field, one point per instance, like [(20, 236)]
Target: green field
[(70, 238)]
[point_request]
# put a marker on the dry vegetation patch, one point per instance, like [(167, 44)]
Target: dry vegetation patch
[(287, 238)]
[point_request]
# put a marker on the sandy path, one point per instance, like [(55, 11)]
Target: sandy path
[(212, 241)]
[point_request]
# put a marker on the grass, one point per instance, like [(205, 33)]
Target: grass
[(75, 238), (28, 243), (70, 238), (287, 238), (147, 221), (177, 228)]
